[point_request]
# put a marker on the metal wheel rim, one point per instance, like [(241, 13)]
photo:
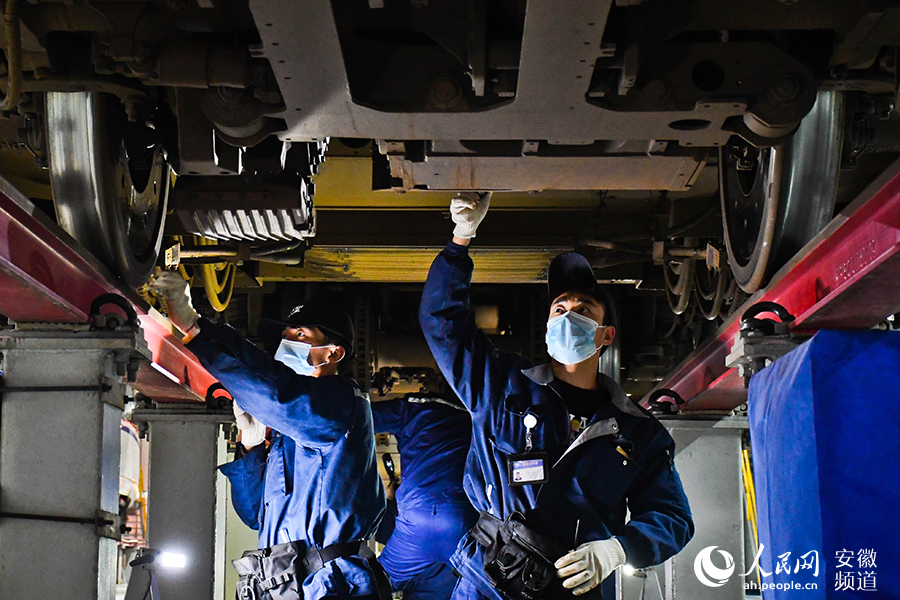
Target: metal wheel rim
[(792, 195), (750, 213), (679, 284), (94, 196), (711, 290)]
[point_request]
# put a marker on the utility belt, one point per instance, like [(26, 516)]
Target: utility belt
[(277, 573), (518, 561)]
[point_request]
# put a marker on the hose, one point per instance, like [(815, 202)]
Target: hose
[(13, 56)]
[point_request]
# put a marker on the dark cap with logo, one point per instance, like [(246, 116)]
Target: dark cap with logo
[(332, 320), (570, 272)]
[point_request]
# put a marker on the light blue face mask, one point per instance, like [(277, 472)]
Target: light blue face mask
[(570, 338), (296, 356)]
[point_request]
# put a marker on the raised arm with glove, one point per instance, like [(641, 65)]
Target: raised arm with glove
[(176, 294), (467, 209)]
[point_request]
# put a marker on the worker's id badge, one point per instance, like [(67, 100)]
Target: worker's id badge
[(527, 468)]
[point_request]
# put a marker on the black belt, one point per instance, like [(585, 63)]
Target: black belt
[(262, 572)]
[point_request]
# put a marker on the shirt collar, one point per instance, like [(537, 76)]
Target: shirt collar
[(543, 375)]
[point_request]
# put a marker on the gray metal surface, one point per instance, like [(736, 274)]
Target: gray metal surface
[(708, 459), (674, 173), (186, 504), (810, 175), (301, 41), (59, 456)]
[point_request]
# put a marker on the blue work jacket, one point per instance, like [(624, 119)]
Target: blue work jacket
[(433, 439), (591, 484), (318, 483)]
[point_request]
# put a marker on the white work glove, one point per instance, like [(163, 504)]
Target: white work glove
[(176, 295), (253, 433), (590, 564), (467, 209)]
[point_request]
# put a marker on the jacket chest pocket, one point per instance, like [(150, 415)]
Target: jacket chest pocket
[(606, 475), (518, 410), (277, 484)]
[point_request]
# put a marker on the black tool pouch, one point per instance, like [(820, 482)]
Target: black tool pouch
[(517, 560), (275, 573)]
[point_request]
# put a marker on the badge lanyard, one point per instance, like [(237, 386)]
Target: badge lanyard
[(527, 468)]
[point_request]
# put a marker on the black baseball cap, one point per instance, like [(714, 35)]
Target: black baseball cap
[(332, 320), (572, 272)]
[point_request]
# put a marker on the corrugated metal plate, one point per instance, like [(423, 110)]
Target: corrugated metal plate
[(253, 225)]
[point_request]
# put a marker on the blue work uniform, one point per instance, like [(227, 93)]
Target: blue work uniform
[(591, 482), (318, 483), (433, 511)]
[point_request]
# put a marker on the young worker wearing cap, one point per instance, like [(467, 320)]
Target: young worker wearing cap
[(314, 493), (559, 452)]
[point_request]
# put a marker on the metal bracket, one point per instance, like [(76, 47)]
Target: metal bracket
[(177, 412), (665, 407), (217, 402), (113, 321), (109, 525), (762, 341), (102, 388)]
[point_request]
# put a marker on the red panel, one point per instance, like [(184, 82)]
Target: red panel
[(171, 355), (848, 277), (45, 276)]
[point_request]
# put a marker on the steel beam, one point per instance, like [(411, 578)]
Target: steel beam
[(847, 277), (46, 276)]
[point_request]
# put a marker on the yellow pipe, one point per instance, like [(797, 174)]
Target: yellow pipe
[(143, 512), (750, 491)]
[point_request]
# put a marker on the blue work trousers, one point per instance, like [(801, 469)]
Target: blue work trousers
[(423, 540)]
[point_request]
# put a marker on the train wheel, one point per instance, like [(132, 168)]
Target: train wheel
[(110, 181), (775, 200)]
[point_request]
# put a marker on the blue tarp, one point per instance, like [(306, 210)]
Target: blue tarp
[(825, 434)]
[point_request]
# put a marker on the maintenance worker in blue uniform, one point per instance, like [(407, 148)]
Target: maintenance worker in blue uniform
[(314, 494), (433, 436), (559, 452)]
